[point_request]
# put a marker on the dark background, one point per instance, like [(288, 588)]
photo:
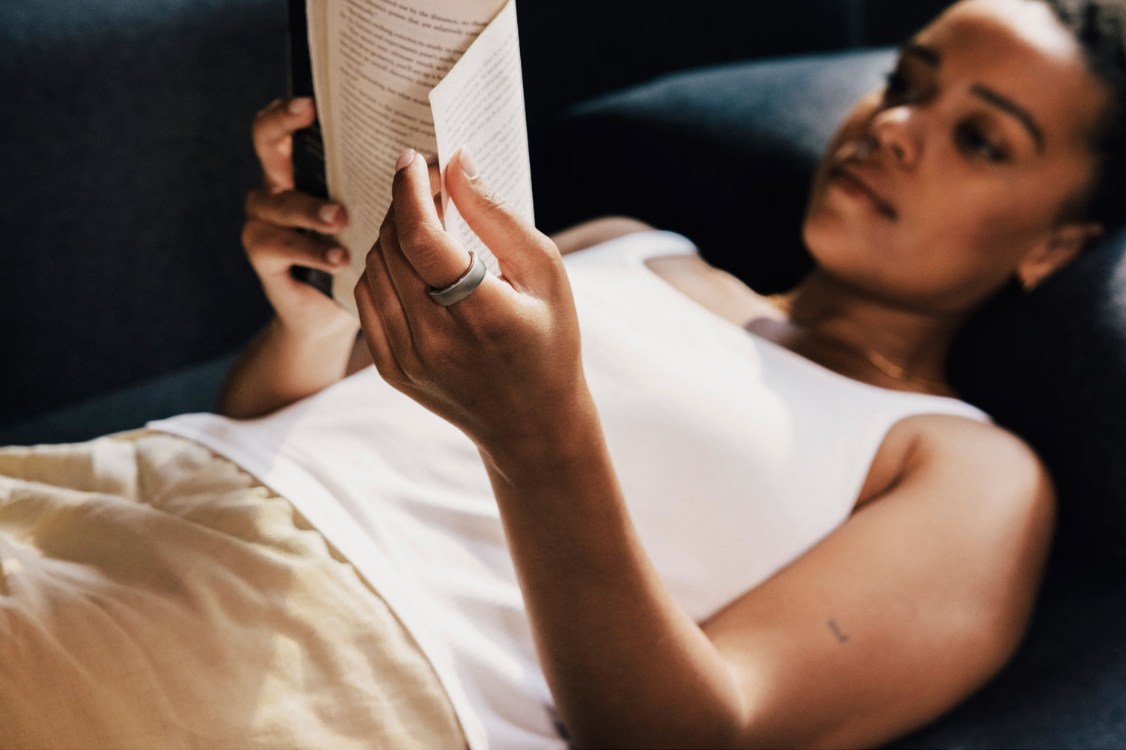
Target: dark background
[(126, 156)]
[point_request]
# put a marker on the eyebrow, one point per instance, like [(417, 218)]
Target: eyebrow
[(931, 57)]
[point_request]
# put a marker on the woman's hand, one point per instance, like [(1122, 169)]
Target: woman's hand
[(503, 364), (285, 227), (306, 347)]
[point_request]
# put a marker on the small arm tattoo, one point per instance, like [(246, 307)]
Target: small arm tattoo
[(836, 630)]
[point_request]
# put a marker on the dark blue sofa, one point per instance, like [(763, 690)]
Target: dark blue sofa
[(126, 156)]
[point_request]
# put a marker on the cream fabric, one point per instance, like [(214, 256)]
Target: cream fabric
[(153, 594)]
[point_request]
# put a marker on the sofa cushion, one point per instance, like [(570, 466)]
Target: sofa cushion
[(191, 389), (1066, 687)]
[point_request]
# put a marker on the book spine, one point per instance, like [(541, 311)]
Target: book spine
[(308, 145)]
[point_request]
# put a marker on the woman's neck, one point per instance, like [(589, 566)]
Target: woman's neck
[(891, 338)]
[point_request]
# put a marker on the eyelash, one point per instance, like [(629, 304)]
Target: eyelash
[(895, 85)]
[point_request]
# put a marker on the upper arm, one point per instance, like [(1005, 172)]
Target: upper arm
[(905, 609)]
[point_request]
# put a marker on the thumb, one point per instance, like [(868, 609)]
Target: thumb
[(527, 257)]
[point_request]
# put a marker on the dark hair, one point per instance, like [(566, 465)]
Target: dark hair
[(1099, 26)]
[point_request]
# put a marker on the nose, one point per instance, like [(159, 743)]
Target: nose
[(893, 130)]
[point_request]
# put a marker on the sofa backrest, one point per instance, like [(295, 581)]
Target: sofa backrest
[(125, 162), (127, 156)]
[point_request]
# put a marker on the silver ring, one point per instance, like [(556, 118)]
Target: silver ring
[(464, 286)]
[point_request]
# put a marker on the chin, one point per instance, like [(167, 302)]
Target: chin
[(833, 239), (841, 248)]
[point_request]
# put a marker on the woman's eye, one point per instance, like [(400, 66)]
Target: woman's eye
[(897, 90), (896, 86), (972, 138)]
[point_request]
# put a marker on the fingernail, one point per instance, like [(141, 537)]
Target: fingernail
[(328, 213), (404, 159), (468, 166), (431, 160), (299, 105), (335, 255)]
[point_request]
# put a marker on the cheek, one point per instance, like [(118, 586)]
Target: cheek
[(848, 241), (986, 224), (965, 247), (949, 241)]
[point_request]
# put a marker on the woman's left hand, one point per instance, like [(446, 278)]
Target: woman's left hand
[(503, 364)]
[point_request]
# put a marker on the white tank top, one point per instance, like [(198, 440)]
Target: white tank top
[(735, 456)]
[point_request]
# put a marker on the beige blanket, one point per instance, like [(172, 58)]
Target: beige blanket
[(152, 594)]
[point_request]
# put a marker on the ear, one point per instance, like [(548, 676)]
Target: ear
[(1061, 247)]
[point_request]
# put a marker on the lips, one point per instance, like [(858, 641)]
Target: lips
[(850, 173)]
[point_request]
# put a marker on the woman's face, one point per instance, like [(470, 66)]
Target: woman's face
[(973, 147)]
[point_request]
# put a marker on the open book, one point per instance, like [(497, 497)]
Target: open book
[(388, 75)]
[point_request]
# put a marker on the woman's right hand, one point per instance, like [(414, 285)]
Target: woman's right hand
[(277, 214)]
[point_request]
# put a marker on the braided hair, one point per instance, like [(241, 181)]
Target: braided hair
[(1099, 27)]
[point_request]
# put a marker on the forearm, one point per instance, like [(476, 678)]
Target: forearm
[(626, 665), (280, 367)]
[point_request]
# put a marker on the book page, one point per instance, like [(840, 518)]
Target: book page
[(480, 104), (374, 64)]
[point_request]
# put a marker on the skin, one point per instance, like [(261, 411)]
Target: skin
[(924, 593), (307, 344)]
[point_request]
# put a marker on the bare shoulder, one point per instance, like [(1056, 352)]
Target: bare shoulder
[(987, 474), (989, 496), (974, 451)]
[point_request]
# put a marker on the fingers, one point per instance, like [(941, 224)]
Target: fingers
[(525, 254), (273, 249), (272, 133), (434, 256), (390, 308), (409, 284), (375, 333), (292, 208)]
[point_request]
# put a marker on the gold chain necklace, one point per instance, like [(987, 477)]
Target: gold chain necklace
[(873, 357)]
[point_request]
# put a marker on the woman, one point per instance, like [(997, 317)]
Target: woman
[(717, 519)]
